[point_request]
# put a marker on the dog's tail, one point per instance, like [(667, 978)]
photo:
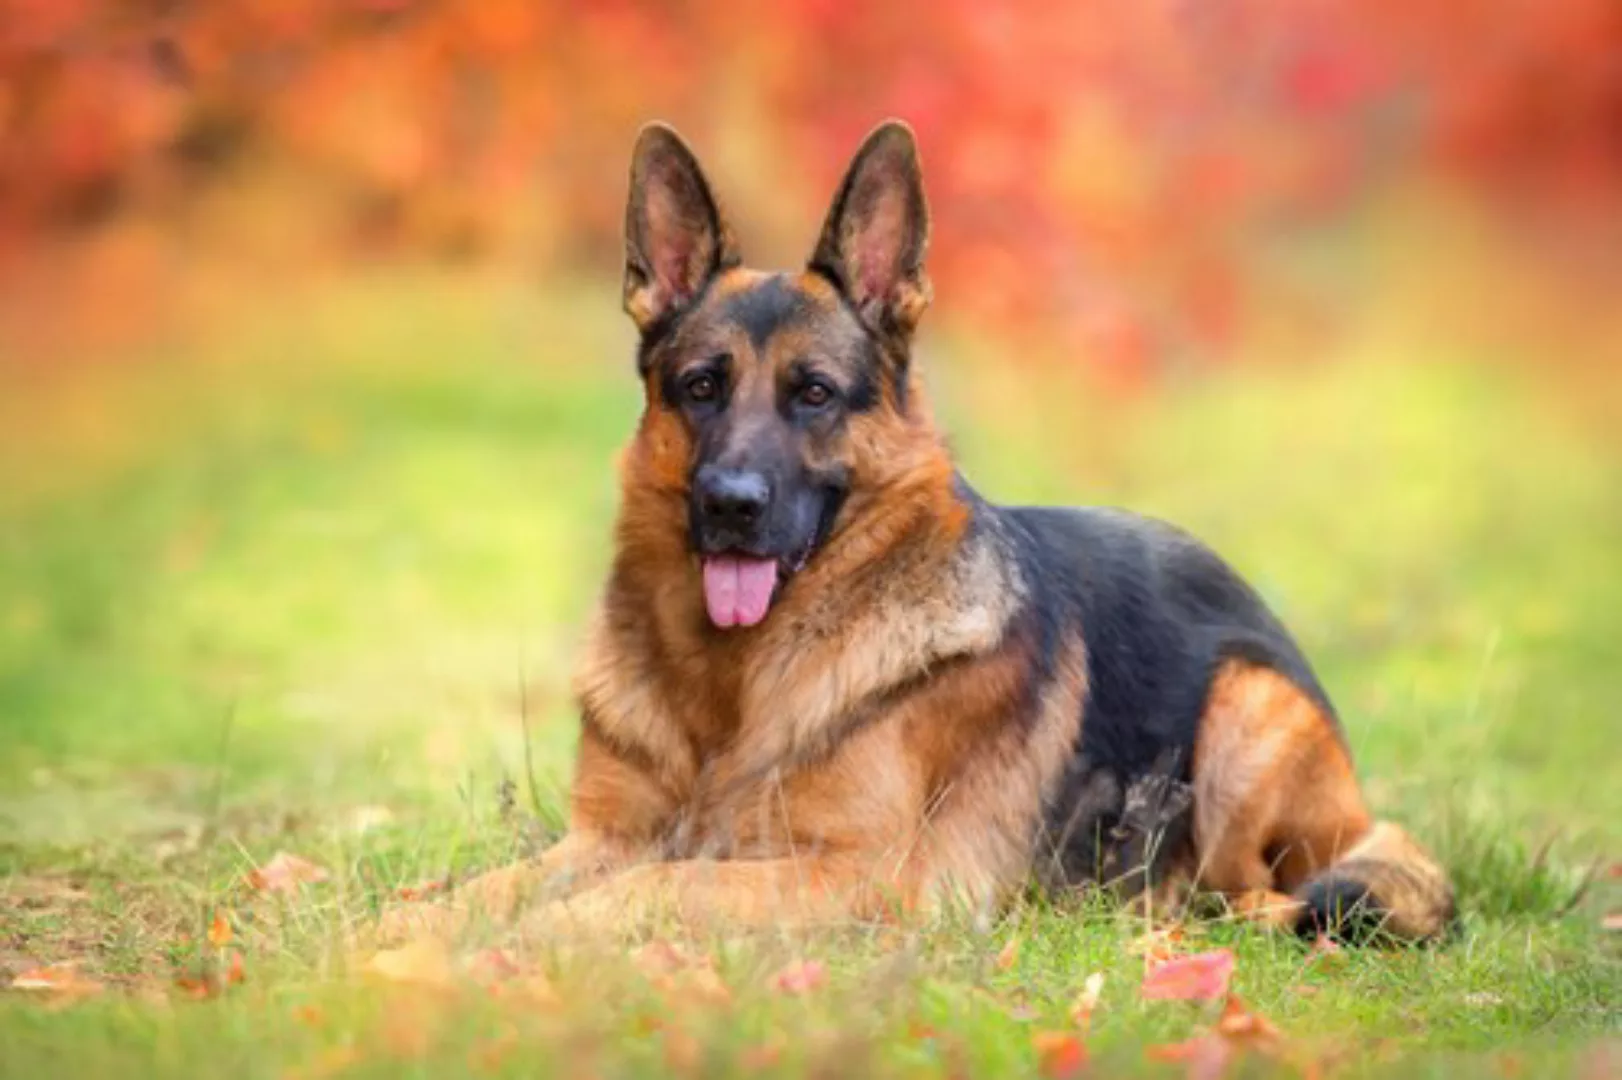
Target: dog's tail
[(1383, 885)]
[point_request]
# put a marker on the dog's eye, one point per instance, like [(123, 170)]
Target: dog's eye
[(701, 387), (816, 394)]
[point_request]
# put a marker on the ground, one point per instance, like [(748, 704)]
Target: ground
[(312, 582)]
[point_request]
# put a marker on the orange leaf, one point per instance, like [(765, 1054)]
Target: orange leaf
[(799, 977), (219, 930), (1198, 977), (1060, 1054), (1156, 946), (1612, 922), (1081, 1010), (1239, 1024), (284, 873), (234, 973), (1008, 955), (1202, 1058), (195, 987), (58, 981), (422, 890)]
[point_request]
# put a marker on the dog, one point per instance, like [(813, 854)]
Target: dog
[(828, 681)]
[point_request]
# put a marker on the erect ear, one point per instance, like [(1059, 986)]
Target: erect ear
[(675, 237), (873, 242)]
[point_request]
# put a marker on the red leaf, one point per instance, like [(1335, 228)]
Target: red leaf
[(800, 977), (1060, 1054), (1199, 977), (1008, 955), (284, 873), (234, 972), (219, 930), (1203, 1058)]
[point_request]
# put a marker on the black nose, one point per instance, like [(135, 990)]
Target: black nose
[(732, 499)]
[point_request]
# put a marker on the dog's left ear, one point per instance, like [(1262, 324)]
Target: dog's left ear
[(872, 245)]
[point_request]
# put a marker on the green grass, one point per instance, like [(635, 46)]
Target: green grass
[(330, 560)]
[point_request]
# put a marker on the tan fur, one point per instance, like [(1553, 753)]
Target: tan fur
[(1276, 804)]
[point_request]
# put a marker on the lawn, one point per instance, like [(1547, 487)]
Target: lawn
[(313, 583)]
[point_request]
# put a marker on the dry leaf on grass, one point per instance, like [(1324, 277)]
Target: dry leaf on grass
[(1156, 946), (285, 873), (1081, 1010), (1008, 955), (57, 982), (799, 977), (1612, 923), (1060, 1055), (1196, 977), (219, 930), (1237, 1032)]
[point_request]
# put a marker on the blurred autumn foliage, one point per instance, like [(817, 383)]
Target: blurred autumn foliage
[(1108, 169)]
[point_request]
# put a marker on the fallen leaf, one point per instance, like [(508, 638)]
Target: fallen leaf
[(1059, 1054), (57, 981), (219, 930), (1008, 955), (1197, 977), (1304, 990), (1156, 946), (424, 962), (1612, 923), (284, 873), (799, 977), (1081, 1010), (195, 987), (1204, 1057), (1239, 1024), (310, 1016), (234, 973)]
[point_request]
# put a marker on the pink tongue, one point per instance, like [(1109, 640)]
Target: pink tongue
[(737, 590)]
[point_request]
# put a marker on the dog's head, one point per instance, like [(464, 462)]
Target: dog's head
[(771, 396)]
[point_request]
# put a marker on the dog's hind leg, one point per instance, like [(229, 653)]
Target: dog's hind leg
[(1280, 826)]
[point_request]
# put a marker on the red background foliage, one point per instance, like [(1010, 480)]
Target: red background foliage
[(1102, 171)]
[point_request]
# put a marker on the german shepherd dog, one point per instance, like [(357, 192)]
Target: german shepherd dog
[(829, 681)]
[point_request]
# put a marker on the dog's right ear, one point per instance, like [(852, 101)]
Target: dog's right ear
[(675, 236)]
